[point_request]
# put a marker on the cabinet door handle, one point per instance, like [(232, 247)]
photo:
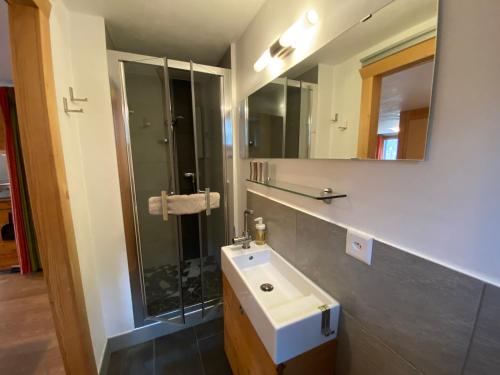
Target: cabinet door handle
[(241, 310)]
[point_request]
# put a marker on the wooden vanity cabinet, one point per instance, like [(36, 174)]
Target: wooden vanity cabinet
[(248, 356)]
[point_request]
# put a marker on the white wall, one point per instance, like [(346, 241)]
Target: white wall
[(446, 208), (321, 119), (79, 57), (343, 144)]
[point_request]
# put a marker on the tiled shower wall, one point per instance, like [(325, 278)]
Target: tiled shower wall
[(401, 315)]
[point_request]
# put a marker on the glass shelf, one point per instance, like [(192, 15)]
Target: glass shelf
[(326, 195)]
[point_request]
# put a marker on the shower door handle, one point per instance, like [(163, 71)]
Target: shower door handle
[(207, 200)]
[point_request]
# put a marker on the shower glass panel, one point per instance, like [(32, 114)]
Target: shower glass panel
[(209, 152), (186, 176), (175, 136), (151, 165)]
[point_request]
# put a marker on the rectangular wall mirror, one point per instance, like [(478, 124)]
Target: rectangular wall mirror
[(366, 94)]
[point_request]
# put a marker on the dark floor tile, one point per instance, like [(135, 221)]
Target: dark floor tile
[(210, 328), (138, 359), (213, 356), (115, 362), (178, 354)]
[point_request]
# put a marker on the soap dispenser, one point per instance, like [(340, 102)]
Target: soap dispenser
[(260, 232)]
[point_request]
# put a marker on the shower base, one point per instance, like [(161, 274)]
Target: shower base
[(162, 285)]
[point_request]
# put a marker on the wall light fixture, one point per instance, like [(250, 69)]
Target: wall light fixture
[(288, 41)]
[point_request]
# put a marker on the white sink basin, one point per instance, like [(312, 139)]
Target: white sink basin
[(287, 319)]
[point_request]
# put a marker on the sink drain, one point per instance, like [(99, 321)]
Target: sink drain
[(266, 287)]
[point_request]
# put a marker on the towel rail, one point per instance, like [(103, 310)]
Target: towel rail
[(164, 205), (207, 200), (185, 204)]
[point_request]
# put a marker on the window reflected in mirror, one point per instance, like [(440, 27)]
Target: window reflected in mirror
[(366, 94)]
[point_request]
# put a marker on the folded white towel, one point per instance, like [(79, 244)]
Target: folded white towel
[(184, 204)]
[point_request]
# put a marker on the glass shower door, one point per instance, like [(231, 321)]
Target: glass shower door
[(209, 146), (151, 163), (175, 139)]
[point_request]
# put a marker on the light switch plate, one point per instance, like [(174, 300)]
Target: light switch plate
[(359, 245)]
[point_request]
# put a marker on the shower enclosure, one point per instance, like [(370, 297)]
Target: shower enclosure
[(173, 134)]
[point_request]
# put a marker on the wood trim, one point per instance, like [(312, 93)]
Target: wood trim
[(46, 179), (416, 54), (368, 119), (404, 121), (8, 249), (43, 5), (372, 75)]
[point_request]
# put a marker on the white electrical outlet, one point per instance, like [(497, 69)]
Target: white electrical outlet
[(359, 245)]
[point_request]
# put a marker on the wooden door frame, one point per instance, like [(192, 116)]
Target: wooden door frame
[(404, 120), (371, 87), (46, 179)]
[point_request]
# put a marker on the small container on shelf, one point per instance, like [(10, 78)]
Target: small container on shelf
[(254, 171), (263, 172)]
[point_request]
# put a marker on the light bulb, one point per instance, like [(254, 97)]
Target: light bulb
[(293, 34), (312, 16), (263, 61), (275, 65)]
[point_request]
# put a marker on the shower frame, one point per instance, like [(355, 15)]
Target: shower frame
[(116, 60)]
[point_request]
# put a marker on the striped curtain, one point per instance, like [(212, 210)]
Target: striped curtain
[(21, 211)]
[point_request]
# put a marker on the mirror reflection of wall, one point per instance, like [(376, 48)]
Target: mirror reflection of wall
[(266, 116), (366, 94)]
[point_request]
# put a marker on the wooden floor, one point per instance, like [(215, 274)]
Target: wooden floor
[(28, 343)]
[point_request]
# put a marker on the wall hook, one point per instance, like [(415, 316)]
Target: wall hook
[(73, 98), (343, 127), (67, 110)]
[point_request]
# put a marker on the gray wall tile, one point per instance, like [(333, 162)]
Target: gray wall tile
[(424, 311), (319, 245), (484, 354), (421, 310), (359, 353), (280, 221)]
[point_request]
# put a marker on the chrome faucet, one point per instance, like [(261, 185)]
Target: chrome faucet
[(245, 238)]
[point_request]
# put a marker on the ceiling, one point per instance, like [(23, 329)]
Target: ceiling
[(5, 67), (200, 30), (402, 91)]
